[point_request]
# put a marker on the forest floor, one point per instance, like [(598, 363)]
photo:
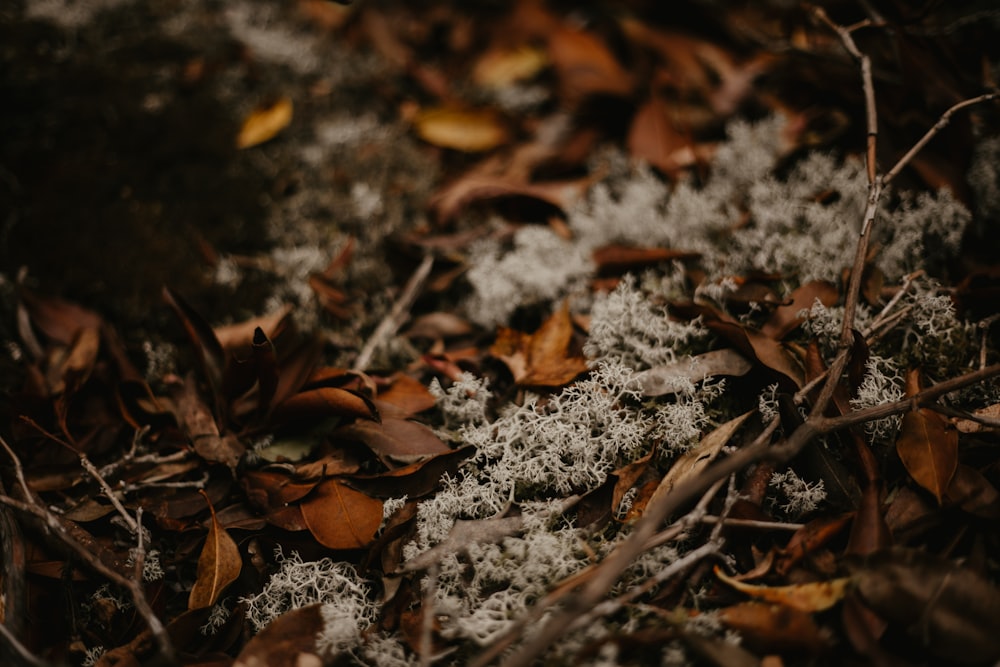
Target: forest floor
[(460, 333)]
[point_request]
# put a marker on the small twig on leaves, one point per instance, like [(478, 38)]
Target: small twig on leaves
[(51, 525), (397, 316)]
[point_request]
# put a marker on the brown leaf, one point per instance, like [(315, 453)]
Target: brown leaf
[(816, 596), (289, 641), (415, 480), (786, 318), (438, 325), (616, 259), (264, 123), (807, 539), (695, 460), (470, 131), (542, 359), (239, 336), (395, 440), (72, 369), (950, 610), (473, 188), (971, 491), (658, 381), (409, 395), (218, 566), (654, 138), (210, 353), (928, 447), (323, 403), (765, 349), (340, 517), (60, 320), (585, 66), (197, 421), (500, 67), (774, 627)]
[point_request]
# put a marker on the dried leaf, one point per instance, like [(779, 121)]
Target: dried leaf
[(542, 359), (264, 123), (218, 566), (197, 421), (340, 517), (415, 480), (470, 131), (60, 320), (210, 353), (810, 597), (501, 67), (659, 380), (765, 349), (807, 539), (952, 611), (323, 403), (694, 461), (473, 188), (774, 627), (652, 137), (289, 640), (408, 394), (786, 318), (971, 491), (928, 447), (616, 259), (585, 66), (395, 440)]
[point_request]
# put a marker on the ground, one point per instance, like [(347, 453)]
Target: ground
[(397, 325)]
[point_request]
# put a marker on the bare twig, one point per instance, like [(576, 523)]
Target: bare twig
[(51, 525), (399, 313)]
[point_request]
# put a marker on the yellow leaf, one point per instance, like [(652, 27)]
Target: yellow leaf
[(804, 597), (502, 67), (265, 123), (468, 131)]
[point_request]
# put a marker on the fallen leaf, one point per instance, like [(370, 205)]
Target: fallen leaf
[(415, 480), (928, 447), (198, 423), (264, 123), (765, 349), (816, 596), (408, 394), (340, 517), (323, 403), (654, 138), (692, 462), (787, 317), (807, 539), (970, 426), (211, 356), (542, 359), (774, 627), (971, 491), (661, 380), (585, 65), (60, 320), (469, 131), (473, 188), (218, 566), (616, 259), (502, 67), (395, 440), (239, 336)]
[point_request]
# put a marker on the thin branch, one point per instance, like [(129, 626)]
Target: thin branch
[(931, 133), (399, 313)]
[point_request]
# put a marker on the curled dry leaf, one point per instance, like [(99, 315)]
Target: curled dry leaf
[(616, 259), (765, 349), (340, 517), (470, 131), (810, 597), (928, 447), (408, 395), (658, 381), (264, 123), (218, 566), (585, 65), (655, 139)]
